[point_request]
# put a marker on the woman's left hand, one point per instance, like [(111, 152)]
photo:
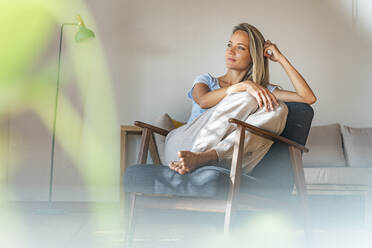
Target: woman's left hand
[(275, 55)]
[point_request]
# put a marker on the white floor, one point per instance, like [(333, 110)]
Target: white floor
[(85, 225), (80, 225)]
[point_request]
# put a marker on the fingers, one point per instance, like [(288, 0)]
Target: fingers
[(266, 52), (274, 99), (266, 47), (270, 101), (269, 46), (259, 99), (269, 51), (267, 99), (263, 96), (268, 43)]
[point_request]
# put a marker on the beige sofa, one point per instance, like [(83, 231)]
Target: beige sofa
[(340, 163)]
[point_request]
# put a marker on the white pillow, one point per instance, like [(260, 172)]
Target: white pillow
[(325, 145), (166, 123), (358, 146)]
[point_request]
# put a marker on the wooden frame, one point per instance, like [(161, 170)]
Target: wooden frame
[(126, 130), (235, 200)]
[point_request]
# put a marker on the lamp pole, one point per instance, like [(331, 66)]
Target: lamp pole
[(81, 35), (55, 113)]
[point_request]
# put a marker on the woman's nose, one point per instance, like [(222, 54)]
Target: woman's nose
[(231, 50)]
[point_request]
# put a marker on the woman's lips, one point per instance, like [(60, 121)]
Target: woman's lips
[(231, 59)]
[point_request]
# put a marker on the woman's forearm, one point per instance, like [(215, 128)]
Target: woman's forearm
[(302, 88), (211, 98)]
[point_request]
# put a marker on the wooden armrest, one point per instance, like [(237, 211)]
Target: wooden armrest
[(148, 142), (268, 135), (158, 130)]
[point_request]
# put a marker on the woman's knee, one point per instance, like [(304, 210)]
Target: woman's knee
[(280, 117), (282, 109), (240, 98)]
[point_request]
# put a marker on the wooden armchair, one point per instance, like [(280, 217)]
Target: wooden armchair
[(238, 190)]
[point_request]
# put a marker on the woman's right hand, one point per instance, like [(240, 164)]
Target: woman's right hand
[(238, 87), (263, 96)]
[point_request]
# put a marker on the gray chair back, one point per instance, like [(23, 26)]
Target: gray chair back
[(275, 167)]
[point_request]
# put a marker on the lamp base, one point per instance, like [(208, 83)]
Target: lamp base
[(50, 211)]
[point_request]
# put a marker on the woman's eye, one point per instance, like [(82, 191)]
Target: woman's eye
[(228, 45), (241, 48)]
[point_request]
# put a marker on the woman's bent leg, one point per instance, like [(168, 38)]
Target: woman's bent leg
[(255, 147), (211, 136), (237, 105), (183, 138)]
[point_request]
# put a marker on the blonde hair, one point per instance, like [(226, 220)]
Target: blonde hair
[(259, 68)]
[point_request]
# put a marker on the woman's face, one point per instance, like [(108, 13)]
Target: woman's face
[(237, 53)]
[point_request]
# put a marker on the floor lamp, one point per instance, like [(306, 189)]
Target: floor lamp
[(82, 35)]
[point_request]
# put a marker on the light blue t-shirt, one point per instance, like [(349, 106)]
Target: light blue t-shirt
[(212, 83)]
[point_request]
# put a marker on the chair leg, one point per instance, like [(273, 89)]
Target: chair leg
[(236, 167), (308, 229), (129, 234), (228, 217), (368, 210), (226, 227), (298, 172)]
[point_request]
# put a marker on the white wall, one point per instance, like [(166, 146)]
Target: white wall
[(156, 48)]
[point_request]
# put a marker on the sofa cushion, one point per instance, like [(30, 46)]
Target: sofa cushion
[(166, 123), (177, 124), (325, 145), (358, 146), (339, 176)]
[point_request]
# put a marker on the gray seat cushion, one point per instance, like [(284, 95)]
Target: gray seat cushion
[(339, 176), (325, 145), (358, 146), (206, 181)]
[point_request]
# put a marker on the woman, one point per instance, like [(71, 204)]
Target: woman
[(245, 93)]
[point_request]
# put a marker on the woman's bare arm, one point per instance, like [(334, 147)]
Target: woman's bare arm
[(303, 91), (205, 97)]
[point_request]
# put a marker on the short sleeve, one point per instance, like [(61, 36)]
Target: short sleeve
[(204, 78), (271, 87)]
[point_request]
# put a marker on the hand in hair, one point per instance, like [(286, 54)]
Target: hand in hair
[(263, 96), (275, 54)]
